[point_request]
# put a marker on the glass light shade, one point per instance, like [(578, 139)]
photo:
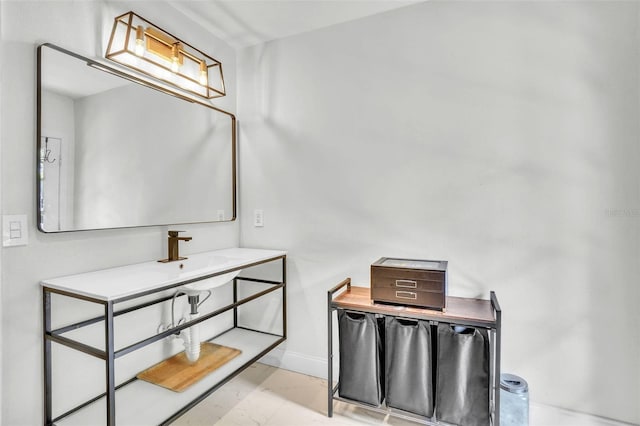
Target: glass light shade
[(204, 74), (139, 49), (175, 57)]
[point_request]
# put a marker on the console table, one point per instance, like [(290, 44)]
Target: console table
[(141, 286), (460, 311)]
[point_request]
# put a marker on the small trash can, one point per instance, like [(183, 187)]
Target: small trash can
[(361, 357), (409, 365), (514, 400)]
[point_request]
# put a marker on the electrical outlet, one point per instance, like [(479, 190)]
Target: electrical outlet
[(258, 218)]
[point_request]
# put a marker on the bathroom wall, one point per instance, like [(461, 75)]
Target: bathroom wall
[(501, 136), (82, 27)]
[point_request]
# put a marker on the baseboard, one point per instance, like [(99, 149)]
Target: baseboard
[(549, 415), (295, 361)]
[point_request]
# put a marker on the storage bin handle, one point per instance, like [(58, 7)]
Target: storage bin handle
[(462, 329)]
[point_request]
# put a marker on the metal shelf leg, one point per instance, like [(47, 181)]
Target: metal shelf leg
[(110, 364), (330, 358), (46, 322)]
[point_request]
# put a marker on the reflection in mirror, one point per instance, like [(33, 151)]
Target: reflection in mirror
[(116, 153)]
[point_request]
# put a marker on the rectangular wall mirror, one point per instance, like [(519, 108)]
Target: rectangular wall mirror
[(115, 152)]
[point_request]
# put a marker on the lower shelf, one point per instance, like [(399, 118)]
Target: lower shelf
[(383, 409), (143, 403)]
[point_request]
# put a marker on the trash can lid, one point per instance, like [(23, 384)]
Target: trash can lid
[(512, 383)]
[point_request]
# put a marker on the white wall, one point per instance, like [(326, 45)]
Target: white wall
[(501, 136), (82, 27)]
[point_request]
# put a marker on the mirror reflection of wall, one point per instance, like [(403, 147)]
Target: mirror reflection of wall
[(132, 155), (54, 184), (57, 134)]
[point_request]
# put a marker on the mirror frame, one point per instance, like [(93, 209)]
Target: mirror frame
[(144, 82)]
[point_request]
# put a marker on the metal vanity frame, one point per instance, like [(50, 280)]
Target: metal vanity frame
[(111, 354), (339, 300)]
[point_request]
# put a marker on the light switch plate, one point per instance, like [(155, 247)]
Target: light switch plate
[(258, 218), (14, 230)]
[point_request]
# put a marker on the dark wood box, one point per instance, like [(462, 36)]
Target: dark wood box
[(410, 282)]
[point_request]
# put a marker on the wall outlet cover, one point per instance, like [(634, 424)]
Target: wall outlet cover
[(258, 218), (14, 230)]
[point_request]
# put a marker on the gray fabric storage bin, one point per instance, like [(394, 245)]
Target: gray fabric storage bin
[(462, 388), (409, 365), (361, 357)]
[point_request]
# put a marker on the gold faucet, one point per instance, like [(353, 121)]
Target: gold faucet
[(173, 247)]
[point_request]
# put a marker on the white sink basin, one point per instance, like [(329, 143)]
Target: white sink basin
[(198, 264), (125, 282), (208, 284)]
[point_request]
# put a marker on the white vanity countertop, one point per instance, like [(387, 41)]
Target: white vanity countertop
[(125, 281)]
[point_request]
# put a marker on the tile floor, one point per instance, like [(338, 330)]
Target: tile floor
[(268, 396)]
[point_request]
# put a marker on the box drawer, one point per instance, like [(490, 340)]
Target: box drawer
[(408, 297), (408, 283)]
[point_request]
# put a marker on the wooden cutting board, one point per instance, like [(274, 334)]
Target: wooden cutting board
[(177, 374)]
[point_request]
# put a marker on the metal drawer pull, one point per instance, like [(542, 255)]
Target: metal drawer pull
[(406, 283), (406, 295)]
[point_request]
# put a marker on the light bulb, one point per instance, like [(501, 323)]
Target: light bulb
[(175, 57), (203, 73), (139, 49)]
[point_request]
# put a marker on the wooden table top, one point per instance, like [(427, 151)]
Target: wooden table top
[(459, 309)]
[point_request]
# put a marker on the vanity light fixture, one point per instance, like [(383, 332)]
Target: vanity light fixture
[(138, 44)]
